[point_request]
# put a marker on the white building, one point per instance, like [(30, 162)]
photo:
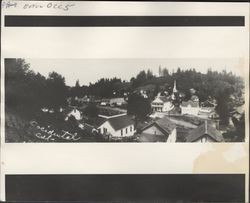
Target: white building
[(162, 104), (117, 101), (105, 102), (118, 127), (73, 112), (190, 107)]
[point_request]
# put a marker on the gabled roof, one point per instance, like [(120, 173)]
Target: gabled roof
[(191, 103), (95, 122), (165, 124), (203, 130), (120, 122)]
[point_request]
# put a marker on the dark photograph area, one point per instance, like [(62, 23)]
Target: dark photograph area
[(223, 188)]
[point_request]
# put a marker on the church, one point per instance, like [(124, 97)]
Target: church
[(164, 103)]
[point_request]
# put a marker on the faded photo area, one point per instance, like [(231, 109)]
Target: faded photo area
[(124, 100)]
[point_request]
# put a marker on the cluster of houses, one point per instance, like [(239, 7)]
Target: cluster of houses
[(191, 107), (165, 129), (115, 126), (168, 127), (194, 121), (117, 101)]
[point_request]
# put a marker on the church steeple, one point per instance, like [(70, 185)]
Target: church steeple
[(174, 89)]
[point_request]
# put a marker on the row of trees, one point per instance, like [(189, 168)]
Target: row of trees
[(103, 88), (27, 91)]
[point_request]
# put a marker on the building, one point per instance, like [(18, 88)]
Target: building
[(118, 127), (161, 130), (207, 110), (73, 112), (162, 104), (117, 101), (190, 107), (205, 133), (105, 102)]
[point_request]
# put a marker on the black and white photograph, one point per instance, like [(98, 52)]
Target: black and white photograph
[(124, 100)]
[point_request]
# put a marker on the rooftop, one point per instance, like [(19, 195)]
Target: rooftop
[(120, 122), (164, 123), (205, 129)]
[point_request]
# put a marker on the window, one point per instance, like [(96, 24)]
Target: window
[(126, 130), (131, 128), (105, 130), (121, 132)]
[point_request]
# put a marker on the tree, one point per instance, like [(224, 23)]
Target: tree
[(138, 106), (160, 71), (91, 110), (222, 92), (149, 74), (71, 124), (165, 72), (24, 90), (156, 90), (238, 134), (56, 91)]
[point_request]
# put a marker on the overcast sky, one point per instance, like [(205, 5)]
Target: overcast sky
[(90, 70)]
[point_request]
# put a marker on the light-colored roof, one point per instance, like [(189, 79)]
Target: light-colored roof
[(203, 130)]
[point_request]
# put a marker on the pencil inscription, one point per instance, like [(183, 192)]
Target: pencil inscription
[(50, 5)]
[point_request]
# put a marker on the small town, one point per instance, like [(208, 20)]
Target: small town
[(183, 106)]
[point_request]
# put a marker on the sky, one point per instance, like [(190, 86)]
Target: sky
[(91, 70)]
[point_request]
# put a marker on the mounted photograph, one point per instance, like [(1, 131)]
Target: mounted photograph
[(124, 100)]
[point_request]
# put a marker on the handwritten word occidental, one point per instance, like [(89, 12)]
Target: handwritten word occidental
[(51, 135), (50, 5)]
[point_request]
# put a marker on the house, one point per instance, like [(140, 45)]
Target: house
[(118, 127), (105, 102), (117, 101), (73, 112), (208, 112), (162, 104), (206, 132), (161, 130), (207, 109), (190, 107)]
